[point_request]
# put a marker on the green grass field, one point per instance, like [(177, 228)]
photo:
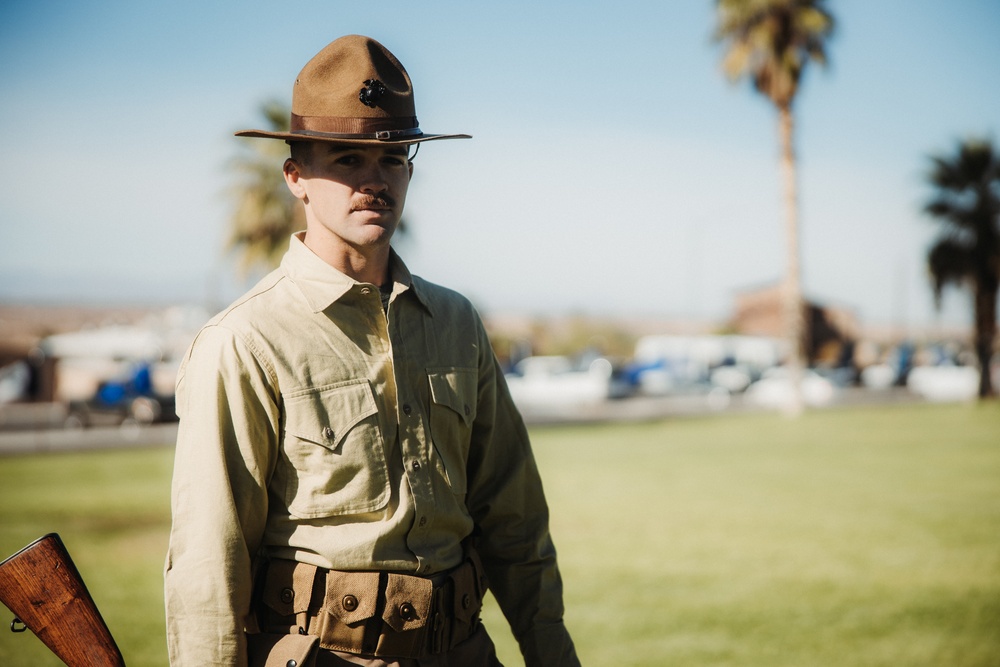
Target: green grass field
[(855, 537)]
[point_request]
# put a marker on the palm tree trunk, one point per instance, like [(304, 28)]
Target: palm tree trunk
[(794, 315), (986, 327)]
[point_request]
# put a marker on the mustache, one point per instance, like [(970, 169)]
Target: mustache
[(366, 202)]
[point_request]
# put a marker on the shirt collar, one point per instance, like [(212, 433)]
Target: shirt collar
[(322, 285)]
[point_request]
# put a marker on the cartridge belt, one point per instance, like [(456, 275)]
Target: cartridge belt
[(372, 613)]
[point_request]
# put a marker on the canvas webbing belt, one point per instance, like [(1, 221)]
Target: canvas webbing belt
[(372, 613)]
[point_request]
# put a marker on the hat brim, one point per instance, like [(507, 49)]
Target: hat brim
[(348, 139)]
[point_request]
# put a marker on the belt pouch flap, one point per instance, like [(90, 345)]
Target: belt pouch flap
[(273, 650), (467, 600), (407, 602), (288, 586), (351, 599)]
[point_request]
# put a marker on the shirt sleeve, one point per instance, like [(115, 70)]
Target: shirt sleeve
[(508, 505), (226, 447)]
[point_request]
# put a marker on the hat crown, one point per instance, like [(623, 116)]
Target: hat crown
[(353, 91), (331, 84)]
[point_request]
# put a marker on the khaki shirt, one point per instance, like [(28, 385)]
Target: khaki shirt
[(315, 427)]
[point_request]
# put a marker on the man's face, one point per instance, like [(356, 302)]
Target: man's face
[(353, 195)]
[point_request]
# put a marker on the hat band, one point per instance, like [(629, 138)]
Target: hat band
[(355, 128)]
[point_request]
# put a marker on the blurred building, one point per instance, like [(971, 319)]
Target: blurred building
[(831, 332)]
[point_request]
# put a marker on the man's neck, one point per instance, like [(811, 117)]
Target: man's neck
[(366, 265)]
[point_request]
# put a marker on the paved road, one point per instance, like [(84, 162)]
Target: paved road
[(38, 440), (651, 408)]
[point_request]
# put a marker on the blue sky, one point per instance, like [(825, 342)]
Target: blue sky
[(613, 170)]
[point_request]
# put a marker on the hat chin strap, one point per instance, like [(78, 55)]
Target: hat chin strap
[(355, 128)]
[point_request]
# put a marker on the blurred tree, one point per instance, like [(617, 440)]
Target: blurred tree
[(967, 204), (770, 42), (265, 213)]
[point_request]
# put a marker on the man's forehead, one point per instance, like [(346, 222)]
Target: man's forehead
[(331, 148)]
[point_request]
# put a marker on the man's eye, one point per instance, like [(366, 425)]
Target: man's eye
[(347, 160)]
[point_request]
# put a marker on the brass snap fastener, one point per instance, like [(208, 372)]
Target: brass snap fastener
[(407, 612), (287, 595), (350, 602)]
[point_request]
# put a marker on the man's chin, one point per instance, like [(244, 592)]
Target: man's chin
[(374, 234)]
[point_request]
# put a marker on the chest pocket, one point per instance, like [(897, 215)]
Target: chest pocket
[(454, 394), (335, 452)]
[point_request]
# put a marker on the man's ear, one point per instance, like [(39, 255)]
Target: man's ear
[(293, 178), (409, 165)]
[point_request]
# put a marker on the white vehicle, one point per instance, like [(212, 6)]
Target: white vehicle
[(774, 389), (944, 383), (553, 380)]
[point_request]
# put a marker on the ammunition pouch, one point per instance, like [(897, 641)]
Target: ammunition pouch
[(281, 650), (371, 613)]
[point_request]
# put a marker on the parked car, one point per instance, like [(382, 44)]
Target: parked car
[(122, 402)]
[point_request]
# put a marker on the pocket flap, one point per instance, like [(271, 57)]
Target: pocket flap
[(272, 650), (407, 602), (324, 416), (467, 601), (288, 586), (351, 596), (455, 388)]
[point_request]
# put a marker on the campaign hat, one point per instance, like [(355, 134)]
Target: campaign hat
[(354, 91)]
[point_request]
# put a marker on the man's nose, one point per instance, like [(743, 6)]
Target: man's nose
[(374, 179)]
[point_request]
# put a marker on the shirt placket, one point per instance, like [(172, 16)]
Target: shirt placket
[(380, 362), (409, 348)]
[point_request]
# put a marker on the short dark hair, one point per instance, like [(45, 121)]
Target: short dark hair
[(301, 151)]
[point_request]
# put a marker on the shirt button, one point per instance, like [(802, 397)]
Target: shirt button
[(366, 290), (407, 409), (416, 465), (423, 521), (328, 433)]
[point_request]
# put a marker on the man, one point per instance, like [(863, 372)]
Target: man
[(350, 471)]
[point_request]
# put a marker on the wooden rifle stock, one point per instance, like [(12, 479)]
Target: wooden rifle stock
[(43, 588)]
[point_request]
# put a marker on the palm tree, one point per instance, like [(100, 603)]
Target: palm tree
[(967, 203), (265, 213), (771, 41)]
